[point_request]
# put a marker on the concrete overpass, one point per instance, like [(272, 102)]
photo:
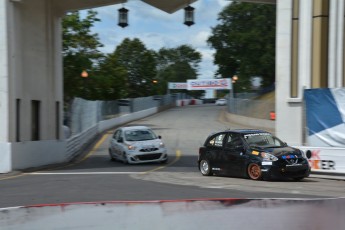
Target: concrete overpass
[(310, 54)]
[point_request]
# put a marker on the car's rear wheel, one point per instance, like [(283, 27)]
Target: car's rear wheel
[(254, 171), (205, 168)]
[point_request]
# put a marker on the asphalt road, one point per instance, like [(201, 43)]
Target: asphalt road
[(184, 129)]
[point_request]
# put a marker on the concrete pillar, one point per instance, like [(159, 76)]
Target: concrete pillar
[(336, 44), (31, 93), (5, 152), (289, 122)]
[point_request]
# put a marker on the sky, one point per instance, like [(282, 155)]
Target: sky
[(158, 29)]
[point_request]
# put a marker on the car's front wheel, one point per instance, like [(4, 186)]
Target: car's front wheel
[(111, 155), (254, 171), (125, 159), (205, 168)]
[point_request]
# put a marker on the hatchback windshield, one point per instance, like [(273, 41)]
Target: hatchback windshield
[(263, 140), (139, 135)]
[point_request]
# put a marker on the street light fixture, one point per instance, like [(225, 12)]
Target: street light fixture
[(123, 17), (189, 15), (84, 74), (234, 79)]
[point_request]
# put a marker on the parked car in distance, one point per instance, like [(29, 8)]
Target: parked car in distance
[(137, 144), (254, 154), (221, 101)]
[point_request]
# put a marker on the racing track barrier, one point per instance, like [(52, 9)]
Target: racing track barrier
[(259, 214)]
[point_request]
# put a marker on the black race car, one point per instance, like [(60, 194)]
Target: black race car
[(254, 154)]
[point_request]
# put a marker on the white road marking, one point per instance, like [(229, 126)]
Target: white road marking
[(81, 173)]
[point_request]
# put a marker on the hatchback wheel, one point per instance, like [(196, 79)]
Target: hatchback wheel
[(125, 159), (254, 171), (205, 168), (111, 155)]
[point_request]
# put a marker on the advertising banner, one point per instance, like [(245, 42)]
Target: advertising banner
[(325, 116), (330, 160), (205, 84), (177, 85)]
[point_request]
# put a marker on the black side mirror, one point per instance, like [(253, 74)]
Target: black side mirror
[(120, 140), (308, 153), (159, 137)]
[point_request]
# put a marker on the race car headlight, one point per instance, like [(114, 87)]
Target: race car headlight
[(268, 157), (131, 147), (303, 154)]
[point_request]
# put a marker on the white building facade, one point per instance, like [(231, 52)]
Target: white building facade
[(309, 54)]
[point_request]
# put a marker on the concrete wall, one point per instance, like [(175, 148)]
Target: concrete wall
[(30, 70), (35, 69)]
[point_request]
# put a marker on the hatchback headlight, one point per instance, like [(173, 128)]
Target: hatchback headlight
[(131, 147), (268, 157), (161, 145)]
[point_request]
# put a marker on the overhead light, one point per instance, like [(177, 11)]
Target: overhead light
[(189, 15), (123, 17), (84, 74)]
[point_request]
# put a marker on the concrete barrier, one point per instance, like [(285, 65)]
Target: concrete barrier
[(259, 214)]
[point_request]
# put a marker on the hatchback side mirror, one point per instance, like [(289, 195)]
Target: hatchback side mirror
[(120, 140)]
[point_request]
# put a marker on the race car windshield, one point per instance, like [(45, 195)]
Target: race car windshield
[(139, 135), (263, 140)]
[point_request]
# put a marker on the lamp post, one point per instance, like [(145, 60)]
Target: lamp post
[(84, 74), (234, 79)]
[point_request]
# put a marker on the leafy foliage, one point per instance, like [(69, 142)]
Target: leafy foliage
[(79, 52), (140, 65), (131, 70), (177, 65), (245, 42)]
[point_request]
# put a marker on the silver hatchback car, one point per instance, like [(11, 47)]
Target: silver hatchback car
[(137, 144)]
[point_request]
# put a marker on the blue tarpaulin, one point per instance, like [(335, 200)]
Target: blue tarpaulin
[(325, 113)]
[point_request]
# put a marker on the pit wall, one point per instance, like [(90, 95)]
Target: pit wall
[(182, 214)]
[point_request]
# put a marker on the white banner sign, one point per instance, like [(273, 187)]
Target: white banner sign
[(177, 85), (205, 84), (326, 159)]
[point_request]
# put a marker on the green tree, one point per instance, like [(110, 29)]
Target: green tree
[(244, 41), (110, 81), (177, 65), (80, 52), (140, 65)]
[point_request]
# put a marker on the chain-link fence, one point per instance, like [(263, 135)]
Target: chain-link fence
[(251, 108)]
